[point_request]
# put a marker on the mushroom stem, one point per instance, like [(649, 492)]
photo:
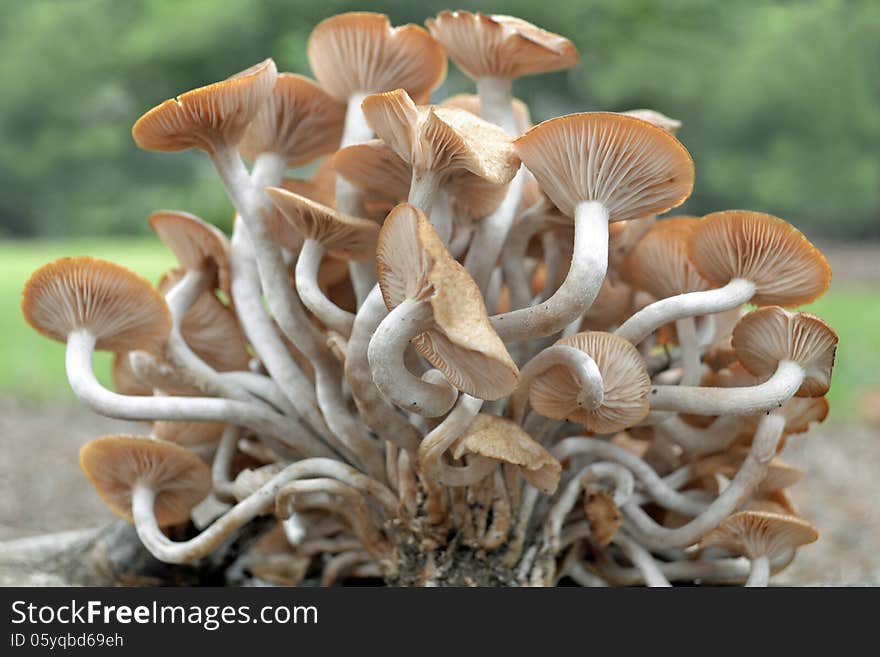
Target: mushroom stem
[(759, 575), (356, 129), (160, 546), (491, 233), (422, 192), (716, 570), (695, 441), (579, 289), (584, 369), (80, 346), (313, 297), (747, 400), (223, 486), (690, 351), (750, 475), (376, 412), (706, 302), (496, 103), (642, 560), (513, 255), (386, 357), (441, 215)]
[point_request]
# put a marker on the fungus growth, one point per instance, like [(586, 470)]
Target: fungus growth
[(466, 350)]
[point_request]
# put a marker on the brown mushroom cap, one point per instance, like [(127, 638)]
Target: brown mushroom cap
[(359, 52), (114, 464), (188, 433), (125, 381), (758, 534), (194, 242), (772, 334), (766, 250), (337, 232), (500, 46), (374, 167), (501, 440), (299, 121), (204, 117), (625, 381), (633, 168), (472, 104), (610, 308), (211, 330), (659, 263), (656, 118), (121, 309), (446, 140), (413, 263)]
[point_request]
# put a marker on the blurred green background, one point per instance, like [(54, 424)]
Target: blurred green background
[(780, 103)]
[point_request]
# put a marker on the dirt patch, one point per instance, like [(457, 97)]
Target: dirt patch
[(44, 490)]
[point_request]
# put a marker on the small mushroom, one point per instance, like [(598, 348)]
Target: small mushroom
[(596, 168), (755, 257), (434, 304), (763, 537)]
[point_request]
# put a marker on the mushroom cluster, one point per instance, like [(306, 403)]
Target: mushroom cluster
[(467, 350)]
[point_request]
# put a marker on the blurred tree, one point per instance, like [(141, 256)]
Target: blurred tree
[(780, 100)]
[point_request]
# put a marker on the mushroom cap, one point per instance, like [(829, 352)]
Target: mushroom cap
[(622, 238), (186, 433), (472, 104), (201, 118), (299, 121), (118, 307), (114, 464), (359, 52), (631, 167), (780, 475), (760, 533), (766, 250), (374, 167), (446, 140), (654, 117), (413, 263), (320, 188), (500, 46), (625, 381), (337, 232), (772, 334), (659, 262), (611, 307), (501, 440), (211, 330), (194, 242)]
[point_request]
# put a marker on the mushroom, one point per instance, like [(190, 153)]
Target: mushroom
[(659, 264), (595, 167), (325, 230), (612, 396), (445, 146), (763, 537), (756, 257), (434, 304), (792, 353)]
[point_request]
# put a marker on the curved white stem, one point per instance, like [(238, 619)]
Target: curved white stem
[(748, 400), (579, 289), (654, 315), (438, 441), (642, 560), (164, 549), (690, 352), (759, 576), (390, 374), (695, 441), (584, 369), (307, 265)]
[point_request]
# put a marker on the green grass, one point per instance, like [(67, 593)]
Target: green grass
[(34, 366)]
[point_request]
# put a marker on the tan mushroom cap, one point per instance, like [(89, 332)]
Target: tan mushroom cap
[(114, 464), (472, 104), (186, 433), (501, 440), (211, 330), (374, 167), (359, 52), (121, 309), (320, 188), (780, 475), (299, 121), (446, 140), (633, 168), (413, 263), (194, 242), (622, 238), (336, 231), (758, 534), (766, 250), (654, 117), (204, 117), (125, 381), (625, 381), (611, 307), (659, 262), (500, 46), (772, 334)]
